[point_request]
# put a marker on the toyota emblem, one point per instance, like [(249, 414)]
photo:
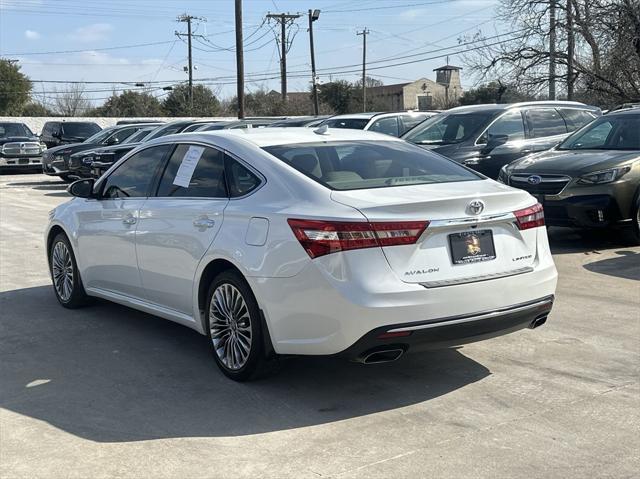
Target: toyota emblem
[(534, 180), (476, 207)]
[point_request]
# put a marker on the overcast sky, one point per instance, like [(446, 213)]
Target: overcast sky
[(412, 29)]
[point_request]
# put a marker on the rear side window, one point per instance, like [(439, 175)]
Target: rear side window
[(352, 165), (133, 178), (240, 179), (545, 122), (194, 171), (576, 119), (352, 123), (388, 126)]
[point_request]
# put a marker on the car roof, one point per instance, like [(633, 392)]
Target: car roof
[(624, 112), (262, 137), (508, 106)]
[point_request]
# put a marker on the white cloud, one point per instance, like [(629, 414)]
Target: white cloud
[(32, 35), (91, 33)]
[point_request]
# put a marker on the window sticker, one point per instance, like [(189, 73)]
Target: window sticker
[(188, 166)]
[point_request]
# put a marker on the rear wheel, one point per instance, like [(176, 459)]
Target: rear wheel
[(636, 223), (64, 273), (234, 327)]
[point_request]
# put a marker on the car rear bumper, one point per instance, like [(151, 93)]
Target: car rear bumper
[(333, 304), (451, 331)]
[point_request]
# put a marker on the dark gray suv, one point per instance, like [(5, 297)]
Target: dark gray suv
[(487, 137)]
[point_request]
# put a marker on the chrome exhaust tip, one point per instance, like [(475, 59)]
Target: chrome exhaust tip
[(382, 356), (539, 321)]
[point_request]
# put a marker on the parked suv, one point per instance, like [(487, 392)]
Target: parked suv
[(55, 162), (19, 147), (592, 179), (394, 124), (55, 133), (487, 137)]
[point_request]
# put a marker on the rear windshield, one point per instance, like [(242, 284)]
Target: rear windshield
[(354, 165), (351, 123), (14, 129), (449, 129), (81, 130)]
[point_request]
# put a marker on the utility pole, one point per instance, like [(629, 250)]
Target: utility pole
[(570, 50), (239, 60), (364, 34), (184, 18), (313, 16), (552, 49), (283, 19)]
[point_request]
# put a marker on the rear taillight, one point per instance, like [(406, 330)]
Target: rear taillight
[(531, 217), (323, 237)]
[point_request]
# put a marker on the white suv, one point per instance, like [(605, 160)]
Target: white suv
[(394, 124), (294, 241)]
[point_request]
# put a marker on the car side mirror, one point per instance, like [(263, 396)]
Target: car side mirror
[(56, 134), (113, 141), (82, 188), (494, 142)]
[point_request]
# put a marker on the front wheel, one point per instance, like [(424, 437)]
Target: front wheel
[(636, 224), (64, 273), (234, 327)]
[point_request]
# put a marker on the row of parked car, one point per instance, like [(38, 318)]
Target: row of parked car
[(585, 176)]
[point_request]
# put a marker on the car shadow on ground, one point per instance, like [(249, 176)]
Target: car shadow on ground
[(46, 185), (110, 374), (573, 240), (625, 265)]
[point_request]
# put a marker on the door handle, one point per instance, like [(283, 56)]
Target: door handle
[(204, 223), (129, 220)]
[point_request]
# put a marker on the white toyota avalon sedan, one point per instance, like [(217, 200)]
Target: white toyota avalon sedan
[(297, 241)]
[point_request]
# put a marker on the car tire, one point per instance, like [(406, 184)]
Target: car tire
[(234, 328), (67, 284), (636, 224)]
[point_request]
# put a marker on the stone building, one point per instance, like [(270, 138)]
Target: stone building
[(422, 94)]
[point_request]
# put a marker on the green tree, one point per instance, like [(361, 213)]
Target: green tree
[(130, 103), (15, 88), (205, 102), (493, 92), (34, 108), (339, 95)]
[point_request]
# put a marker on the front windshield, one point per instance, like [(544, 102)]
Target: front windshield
[(353, 165), (618, 132), (446, 129), (100, 136), (14, 129)]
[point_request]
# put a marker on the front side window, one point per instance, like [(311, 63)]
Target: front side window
[(388, 126), (351, 165), (169, 129), (133, 178), (607, 133), (100, 136), (545, 122), (448, 129), (194, 171), (120, 135), (510, 125)]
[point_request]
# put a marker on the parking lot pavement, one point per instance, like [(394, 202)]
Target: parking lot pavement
[(106, 391)]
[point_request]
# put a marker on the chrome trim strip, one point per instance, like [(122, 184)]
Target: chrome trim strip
[(474, 279), (470, 221), (478, 317)]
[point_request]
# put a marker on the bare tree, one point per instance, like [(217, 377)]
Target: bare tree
[(72, 102), (606, 62)]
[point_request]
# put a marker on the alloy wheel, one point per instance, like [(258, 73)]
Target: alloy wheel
[(62, 270), (230, 325)]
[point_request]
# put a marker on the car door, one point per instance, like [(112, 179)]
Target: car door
[(501, 143), (107, 225), (179, 223)]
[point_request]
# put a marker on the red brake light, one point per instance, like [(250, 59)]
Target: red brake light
[(531, 217), (324, 237)]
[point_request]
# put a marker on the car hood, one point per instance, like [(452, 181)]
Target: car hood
[(572, 162), (12, 139), (71, 148)]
